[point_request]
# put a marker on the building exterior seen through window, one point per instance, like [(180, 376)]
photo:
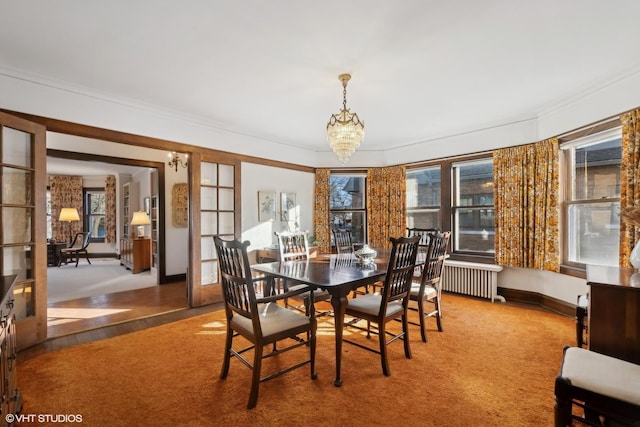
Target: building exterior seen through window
[(423, 197), (591, 211)]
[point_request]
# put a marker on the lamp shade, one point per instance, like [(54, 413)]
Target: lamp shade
[(69, 214), (140, 218)]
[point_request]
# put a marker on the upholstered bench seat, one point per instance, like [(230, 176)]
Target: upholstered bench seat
[(605, 387)]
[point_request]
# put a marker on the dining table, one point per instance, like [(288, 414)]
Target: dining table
[(338, 274)]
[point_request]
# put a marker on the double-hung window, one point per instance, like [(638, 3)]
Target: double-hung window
[(591, 210), (94, 213), (423, 197), (472, 210), (347, 204)]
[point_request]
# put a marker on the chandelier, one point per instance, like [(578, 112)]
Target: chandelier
[(344, 130)]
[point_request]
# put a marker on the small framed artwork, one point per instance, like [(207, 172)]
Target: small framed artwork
[(287, 206), (266, 206)]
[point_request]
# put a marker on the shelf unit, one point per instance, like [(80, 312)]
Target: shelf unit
[(154, 231)]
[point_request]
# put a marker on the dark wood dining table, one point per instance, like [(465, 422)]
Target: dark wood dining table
[(338, 275)]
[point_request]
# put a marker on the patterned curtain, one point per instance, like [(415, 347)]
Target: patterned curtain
[(386, 202), (629, 181), (526, 186), (66, 192), (321, 211), (110, 209)]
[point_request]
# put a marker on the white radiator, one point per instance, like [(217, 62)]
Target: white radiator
[(471, 278)]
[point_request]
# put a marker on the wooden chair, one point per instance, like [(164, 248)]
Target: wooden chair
[(261, 321), (428, 287), (343, 240), (391, 303), (77, 247), (294, 246), (596, 390)]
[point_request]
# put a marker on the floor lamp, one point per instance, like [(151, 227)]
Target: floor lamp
[(69, 214), (140, 219)]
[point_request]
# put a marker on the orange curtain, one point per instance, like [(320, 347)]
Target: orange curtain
[(629, 181), (321, 211), (66, 192), (526, 184), (110, 209), (386, 203)]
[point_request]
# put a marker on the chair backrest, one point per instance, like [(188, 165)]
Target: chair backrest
[(343, 240), (435, 256), (423, 233), (293, 245), (402, 262), (80, 240), (236, 280)]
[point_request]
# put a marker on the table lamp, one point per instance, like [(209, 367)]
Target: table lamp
[(69, 214), (140, 219)]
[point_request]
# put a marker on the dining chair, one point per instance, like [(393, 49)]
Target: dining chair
[(261, 321), (77, 247), (294, 246), (428, 287), (390, 304), (343, 240)]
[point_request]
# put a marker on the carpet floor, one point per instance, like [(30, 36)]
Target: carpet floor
[(494, 365)]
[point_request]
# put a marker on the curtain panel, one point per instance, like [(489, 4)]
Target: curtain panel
[(110, 209), (386, 203), (66, 192), (321, 227), (526, 194), (629, 181)]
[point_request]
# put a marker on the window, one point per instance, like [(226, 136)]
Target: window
[(94, 213), (592, 199), (472, 207), (347, 204), (423, 197)]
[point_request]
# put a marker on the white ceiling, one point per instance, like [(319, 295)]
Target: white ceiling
[(422, 69), (60, 166)]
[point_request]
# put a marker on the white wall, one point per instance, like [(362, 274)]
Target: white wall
[(266, 178)]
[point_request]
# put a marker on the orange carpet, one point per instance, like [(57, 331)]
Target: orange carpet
[(494, 365)]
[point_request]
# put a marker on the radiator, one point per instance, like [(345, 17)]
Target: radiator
[(470, 278)]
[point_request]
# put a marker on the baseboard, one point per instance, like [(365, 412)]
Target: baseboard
[(103, 255), (175, 278), (544, 301)]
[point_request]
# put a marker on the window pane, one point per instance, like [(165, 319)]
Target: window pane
[(97, 203), (475, 230), (423, 187), (475, 183), (597, 170), (346, 192), (423, 218), (97, 226), (354, 221), (593, 233), (16, 186)]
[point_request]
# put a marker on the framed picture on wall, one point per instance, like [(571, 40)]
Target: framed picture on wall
[(266, 206), (287, 206)]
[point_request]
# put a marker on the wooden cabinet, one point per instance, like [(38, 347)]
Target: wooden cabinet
[(614, 312), (135, 254), (10, 397)]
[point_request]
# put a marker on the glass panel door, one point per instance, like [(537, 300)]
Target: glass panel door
[(23, 223)]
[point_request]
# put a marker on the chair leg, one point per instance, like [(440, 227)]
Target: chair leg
[(405, 337), (382, 337), (579, 326), (227, 355), (423, 322), (312, 349), (77, 258), (438, 314), (255, 378)]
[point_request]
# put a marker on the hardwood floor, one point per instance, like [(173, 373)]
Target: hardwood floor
[(88, 319)]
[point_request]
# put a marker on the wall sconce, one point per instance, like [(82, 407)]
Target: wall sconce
[(175, 160), (140, 219), (69, 214)]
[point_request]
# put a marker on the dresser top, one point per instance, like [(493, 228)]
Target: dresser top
[(613, 276)]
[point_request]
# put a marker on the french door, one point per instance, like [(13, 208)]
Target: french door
[(23, 223), (214, 210)]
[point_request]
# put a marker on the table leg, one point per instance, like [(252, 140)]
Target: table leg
[(339, 303)]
